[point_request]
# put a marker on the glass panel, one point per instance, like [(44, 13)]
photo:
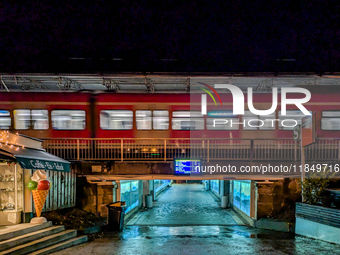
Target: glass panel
[(268, 123), (160, 184), (143, 119), (5, 119), (223, 124), (156, 184), (134, 194), (130, 194), (331, 114), (160, 120), (292, 115), (245, 197), (116, 119), (187, 123), (184, 114), (215, 186), (241, 195), (22, 119), (125, 189), (237, 194), (68, 119), (39, 119), (330, 123)]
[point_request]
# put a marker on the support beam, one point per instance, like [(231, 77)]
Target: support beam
[(266, 85), (187, 85), (29, 83), (3, 85), (110, 84), (149, 85), (68, 84)]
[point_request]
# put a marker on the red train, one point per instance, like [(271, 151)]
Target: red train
[(114, 115)]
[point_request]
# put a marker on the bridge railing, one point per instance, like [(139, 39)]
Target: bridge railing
[(208, 149)]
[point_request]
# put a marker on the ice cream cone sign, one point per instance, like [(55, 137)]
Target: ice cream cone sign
[(40, 186)]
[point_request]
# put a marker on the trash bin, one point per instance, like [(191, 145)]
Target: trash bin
[(148, 201), (116, 216), (224, 201)]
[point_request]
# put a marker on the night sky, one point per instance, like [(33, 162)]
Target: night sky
[(178, 36)]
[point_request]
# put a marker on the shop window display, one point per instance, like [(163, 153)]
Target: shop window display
[(11, 193)]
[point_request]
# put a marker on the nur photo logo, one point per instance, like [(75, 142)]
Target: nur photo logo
[(239, 103)]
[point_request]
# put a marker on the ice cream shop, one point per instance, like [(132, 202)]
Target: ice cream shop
[(31, 180)]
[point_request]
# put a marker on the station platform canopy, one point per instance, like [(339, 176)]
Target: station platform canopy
[(158, 82)]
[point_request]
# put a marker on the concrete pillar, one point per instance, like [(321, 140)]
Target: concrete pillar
[(152, 190), (226, 187), (141, 193), (118, 191), (105, 195), (146, 190), (221, 188)]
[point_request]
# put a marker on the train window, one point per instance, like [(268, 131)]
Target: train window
[(160, 120), (5, 119), (68, 119), (187, 120), (330, 120), (269, 124), (39, 119), (143, 120), (223, 123), (256, 122), (116, 119), (22, 119), (290, 116), (25, 119), (249, 118)]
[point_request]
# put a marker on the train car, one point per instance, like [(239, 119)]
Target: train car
[(115, 115), (47, 115), (179, 116)]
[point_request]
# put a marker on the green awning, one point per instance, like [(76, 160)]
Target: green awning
[(37, 159)]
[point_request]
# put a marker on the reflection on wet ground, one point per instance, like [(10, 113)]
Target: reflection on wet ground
[(202, 240), (188, 220)]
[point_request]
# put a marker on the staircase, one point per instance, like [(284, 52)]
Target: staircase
[(37, 239)]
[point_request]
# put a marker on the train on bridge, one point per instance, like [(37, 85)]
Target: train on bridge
[(157, 115)]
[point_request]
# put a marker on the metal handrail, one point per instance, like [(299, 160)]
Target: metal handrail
[(208, 148)]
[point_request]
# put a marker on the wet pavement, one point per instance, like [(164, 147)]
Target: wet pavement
[(202, 240), (188, 220), (186, 204)]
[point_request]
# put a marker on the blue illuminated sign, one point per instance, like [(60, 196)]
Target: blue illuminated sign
[(186, 166)]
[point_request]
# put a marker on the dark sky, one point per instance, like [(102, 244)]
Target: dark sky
[(154, 36)]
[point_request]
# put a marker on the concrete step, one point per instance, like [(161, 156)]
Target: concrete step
[(61, 246), (41, 243), (8, 232), (22, 239)]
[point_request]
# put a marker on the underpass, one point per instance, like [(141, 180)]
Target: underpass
[(186, 204)]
